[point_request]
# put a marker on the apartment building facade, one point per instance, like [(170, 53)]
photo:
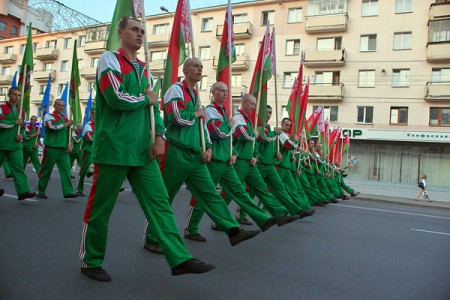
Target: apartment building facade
[(381, 69)]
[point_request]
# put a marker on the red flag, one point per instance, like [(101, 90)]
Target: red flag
[(303, 106), (294, 105)]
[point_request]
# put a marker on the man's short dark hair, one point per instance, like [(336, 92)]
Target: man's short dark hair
[(13, 89), (286, 119), (124, 21), (268, 106)]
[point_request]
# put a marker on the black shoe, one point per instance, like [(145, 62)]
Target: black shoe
[(42, 196), (354, 194), (269, 223), (8, 176), (2, 191), (80, 194), (71, 196), (153, 247), (89, 174), (283, 220), (326, 202), (306, 213), (193, 266), (96, 273), (215, 227), (121, 190), (242, 235), (334, 201), (71, 176), (26, 195), (195, 237), (244, 221)]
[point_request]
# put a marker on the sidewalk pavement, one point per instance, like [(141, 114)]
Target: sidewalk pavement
[(400, 193)]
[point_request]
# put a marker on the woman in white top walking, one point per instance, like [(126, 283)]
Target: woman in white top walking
[(422, 186)]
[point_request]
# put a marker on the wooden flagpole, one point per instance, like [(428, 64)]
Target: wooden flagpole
[(229, 16), (24, 81)]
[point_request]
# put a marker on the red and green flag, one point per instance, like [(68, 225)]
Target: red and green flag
[(303, 105), (25, 73), (227, 49), (75, 82), (124, 8), (311, 123), (181, 35), (261, 76), (293, 107)]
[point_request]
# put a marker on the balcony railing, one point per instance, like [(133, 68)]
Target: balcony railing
[(46, 54), (95, 47), (326, 23), (437, 91), (241, 63), (241, 31), (438, 52), (43, 75), (324, 92), (6, 79), (88, 72), (158, 40), (439, 10), (317, 58), (8, 58)]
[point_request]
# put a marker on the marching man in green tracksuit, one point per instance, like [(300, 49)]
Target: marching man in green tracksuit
[(76, 146), (86, 148), (11, 142), (221, 167), (122, 149), (56, 151), (31, 143), (184, 160)]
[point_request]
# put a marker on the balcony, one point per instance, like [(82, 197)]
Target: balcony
[(439, 11), (36, 98), (241, 63), (438, 52), (46, 54), (241, 31), (438, 91), (322, 92), (158, 67), (95, 47), (326, 23), (43, 75), (329, 58), (8, 58), (6, 79), (158, 40), (88, 72)]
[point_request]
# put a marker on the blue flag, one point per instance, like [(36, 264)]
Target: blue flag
[(87, 112), (64, 96), (14, 81), (45, 106)]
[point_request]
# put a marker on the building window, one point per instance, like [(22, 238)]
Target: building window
[(288, 79), (333, 43), (439, 31), (48, 66), (293, 47), (64, 65), (50, 44), (34, 47), (240, 49), (80, 64), (160, 28), (2, 26), (157, 55), (399, 115), (236, 80), (268, 16), (22, 49), (366, 78), (400, 77), (330, 112), (4, 91), (239, 18), (369, 8), (8, 50), (368, 43), (42, 89), (66, 43), (204, 53), (439, 116), (365, 114), (90, 86), (403, 6), (94, 62), (6, 71), (440, 75), (203, 83), (295, 15), (207, 25), (402, 40), (61, 88), (81, 41), (326, 7), (14, 30), (327, 78)]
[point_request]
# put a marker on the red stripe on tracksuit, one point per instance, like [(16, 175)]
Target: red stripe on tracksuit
[(44, 155), (88, 211), (163, 157)]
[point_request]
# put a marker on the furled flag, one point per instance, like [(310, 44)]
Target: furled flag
[(303, 106), (74, 97), (45, 105), (312, 121), (227, 48), (293, 107), (346, 146), (181, 35), (64, 96), (261, 75), (87, 110), (124, 8), (24, 79), (157, 86), (14, 81)]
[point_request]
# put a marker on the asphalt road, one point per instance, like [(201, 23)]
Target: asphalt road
[(351, 250)]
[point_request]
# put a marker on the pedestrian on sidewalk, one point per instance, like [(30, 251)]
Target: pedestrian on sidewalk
[(422, 185)]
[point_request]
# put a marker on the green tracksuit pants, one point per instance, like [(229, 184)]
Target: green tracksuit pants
[(291, 188), (225, 174), (323, 186), (51, 157), (15, 162), (313, 183), (301, 190), (6, 169), (75, 156), (250, 176), (34, 156), (180, 165), (346, 187), (312, 197), (151, 194), (85, 163)]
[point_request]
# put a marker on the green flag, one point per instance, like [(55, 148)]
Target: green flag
[(124, 8), (24, 79), (75, 82)]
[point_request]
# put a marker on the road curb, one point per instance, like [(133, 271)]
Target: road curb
[(405, 201)]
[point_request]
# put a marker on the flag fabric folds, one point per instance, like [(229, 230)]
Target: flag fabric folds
[(88, 109), (75, 82), (294, 103), (14, 81), (24, 79), (64, 96), (45, 105), (227, 48), (124, 8)]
